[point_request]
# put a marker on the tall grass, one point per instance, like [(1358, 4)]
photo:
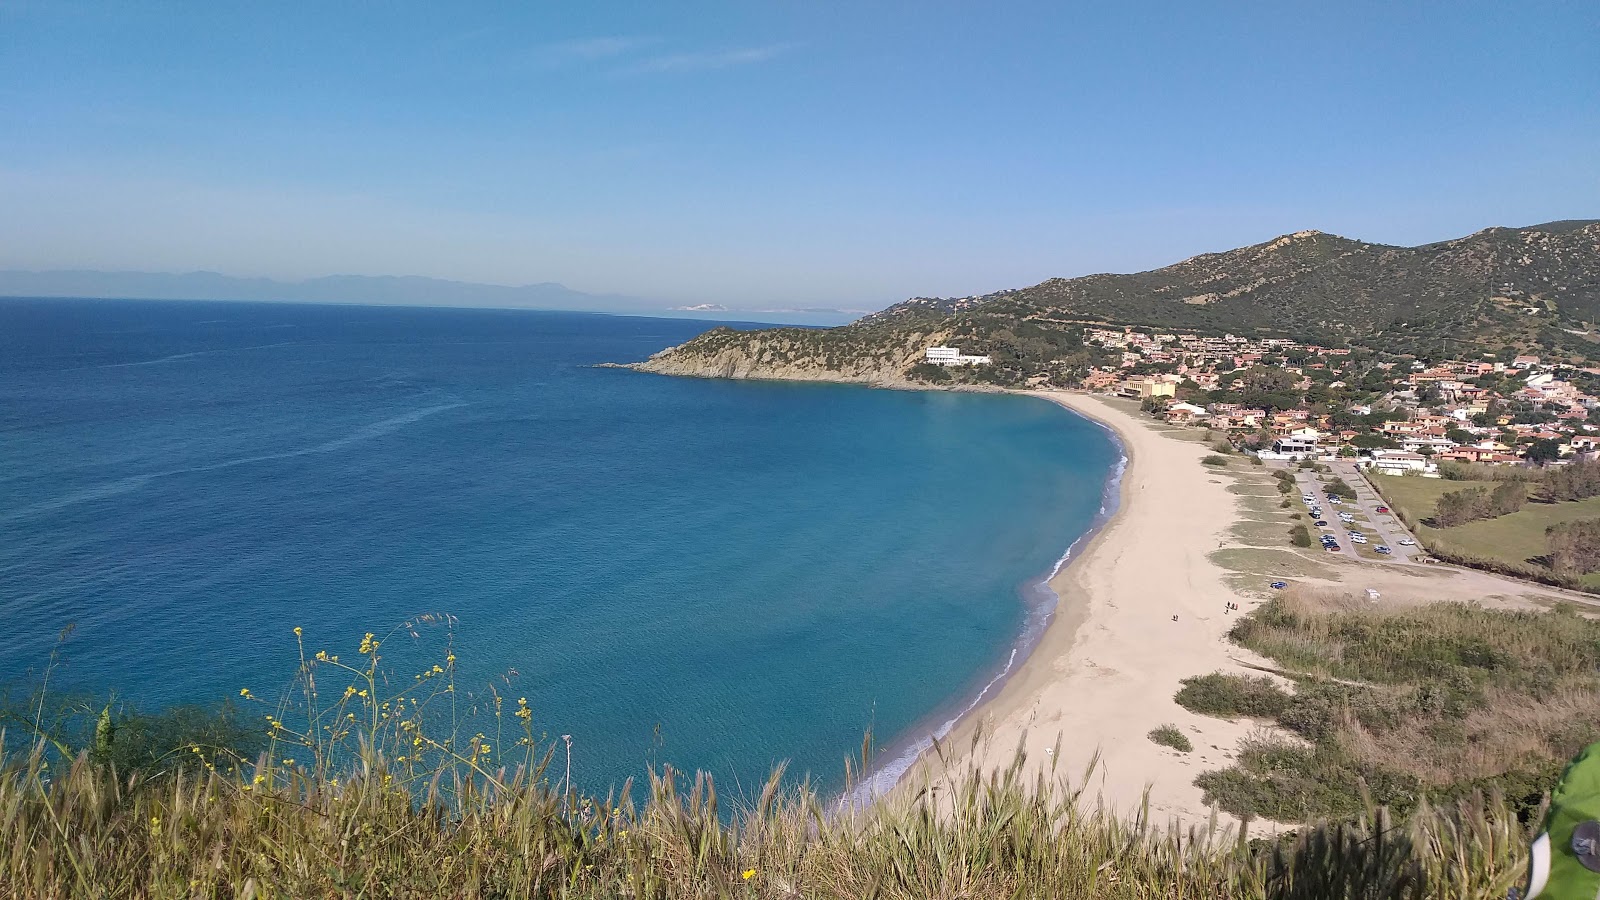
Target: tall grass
[(376, 802)]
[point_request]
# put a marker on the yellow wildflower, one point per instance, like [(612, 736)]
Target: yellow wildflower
[(748, 874)]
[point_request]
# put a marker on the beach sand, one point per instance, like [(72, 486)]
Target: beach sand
[(1104, 673)]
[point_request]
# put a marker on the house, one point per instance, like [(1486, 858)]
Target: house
[(950, 356), (1147, 387), (1184, 413), (1288, 448), (1397, 462), (1415, 443)]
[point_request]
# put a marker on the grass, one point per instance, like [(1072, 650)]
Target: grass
[(374, 802), (1284, 563), (1401, 704), (1169, 736), (1515, 541)]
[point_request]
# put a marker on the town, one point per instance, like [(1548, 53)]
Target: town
[(1281, 399)]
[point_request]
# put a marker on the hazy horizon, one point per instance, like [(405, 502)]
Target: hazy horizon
[(774, 157)]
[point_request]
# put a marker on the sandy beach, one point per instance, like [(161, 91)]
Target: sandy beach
[(1105, 672)]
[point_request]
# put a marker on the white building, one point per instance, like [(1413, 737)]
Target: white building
[(1292, 449), (950, 356), (1397, 462)]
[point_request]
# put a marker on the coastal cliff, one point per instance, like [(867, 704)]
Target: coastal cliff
[(875, 356)]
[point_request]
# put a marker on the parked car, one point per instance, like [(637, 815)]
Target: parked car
[(1332, 548), (1358, 539), (1382, 549), (1279, 585), (1321, 523), (1383, 509), (1406, 542)]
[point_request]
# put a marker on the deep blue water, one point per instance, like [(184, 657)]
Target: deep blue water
[(716, 574)]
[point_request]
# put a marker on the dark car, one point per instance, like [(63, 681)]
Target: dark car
[(1320, 523), (1279, 585)]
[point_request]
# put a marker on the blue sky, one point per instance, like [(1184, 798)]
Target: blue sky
[(770, 154)]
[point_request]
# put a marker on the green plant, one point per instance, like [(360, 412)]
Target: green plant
[(1170, 736), (1213, 459), (1227, 696)]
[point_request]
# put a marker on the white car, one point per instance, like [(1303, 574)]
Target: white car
[(1406, 542), (1357, 539)]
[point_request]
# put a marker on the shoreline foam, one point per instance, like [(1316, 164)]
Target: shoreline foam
[(1105, 671), (1042, 612)]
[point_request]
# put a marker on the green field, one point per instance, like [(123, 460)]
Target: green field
[(1516, 540)]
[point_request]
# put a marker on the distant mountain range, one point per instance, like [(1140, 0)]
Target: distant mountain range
[(376, 290), (1530, 288), (380, 290)]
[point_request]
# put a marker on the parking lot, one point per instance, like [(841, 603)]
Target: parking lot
[(1379, 528)]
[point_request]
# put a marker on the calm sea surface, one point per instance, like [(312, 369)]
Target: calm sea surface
[(716, 574)]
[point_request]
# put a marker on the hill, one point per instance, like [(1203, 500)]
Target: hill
[(1533, 287)]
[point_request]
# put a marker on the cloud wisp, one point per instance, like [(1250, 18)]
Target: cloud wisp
[(700, 61), (592, 50)]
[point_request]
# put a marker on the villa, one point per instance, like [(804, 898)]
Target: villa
[(950, 356)]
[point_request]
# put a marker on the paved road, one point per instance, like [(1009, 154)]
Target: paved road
[(1388, 525), (1385, 528)]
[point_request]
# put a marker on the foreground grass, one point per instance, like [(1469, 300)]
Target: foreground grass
[(89, 832), (370, 791), (1516, 541), (1397, 705)]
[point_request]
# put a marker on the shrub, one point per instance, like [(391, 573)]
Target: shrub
[(1574, 546), (1170, 736), (1338, 488), (1576, 481), (1213, 459), (1300, 536), (1222, 447), (1229, 696)]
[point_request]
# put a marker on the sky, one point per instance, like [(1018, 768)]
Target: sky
[(766, 154)]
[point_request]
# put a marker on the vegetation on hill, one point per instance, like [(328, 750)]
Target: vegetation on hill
[(1499, 290), (1397, 705)]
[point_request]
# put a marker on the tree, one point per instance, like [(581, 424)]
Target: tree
[(1460, 436), (1373, 442), (1574, 547), (1270, 389), (1507, 498), (1338, 488), (1576, 481), (1460, 507), (1543, 451)]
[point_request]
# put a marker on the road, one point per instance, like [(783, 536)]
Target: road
[(1384, 528)]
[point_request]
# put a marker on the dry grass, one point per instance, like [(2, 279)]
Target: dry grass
[(376, 802), (1412, 701)]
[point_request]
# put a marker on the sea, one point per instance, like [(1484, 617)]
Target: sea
[(717, 575)]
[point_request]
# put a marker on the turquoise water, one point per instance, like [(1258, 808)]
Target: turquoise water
[(720, 575)]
